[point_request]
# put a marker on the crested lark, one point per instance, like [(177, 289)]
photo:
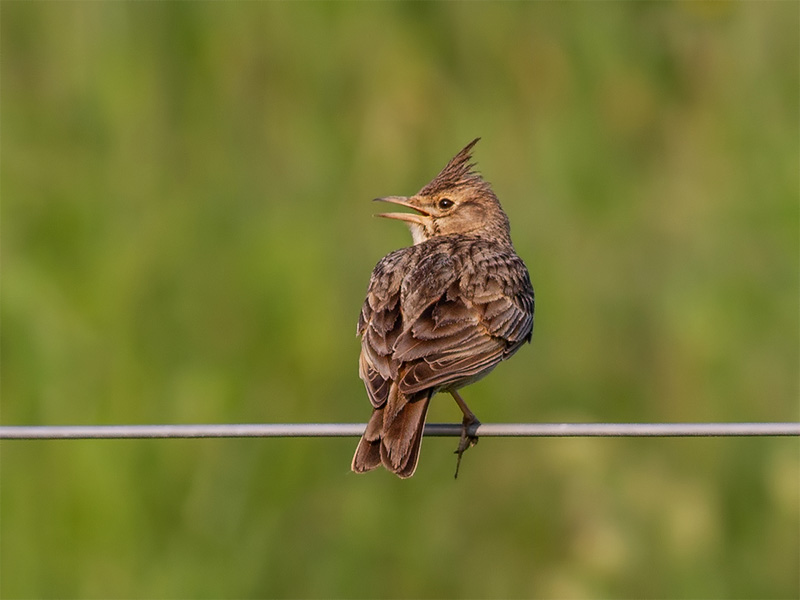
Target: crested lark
[(440, 314)]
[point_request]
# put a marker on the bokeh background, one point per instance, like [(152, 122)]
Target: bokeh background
[(187, 237)]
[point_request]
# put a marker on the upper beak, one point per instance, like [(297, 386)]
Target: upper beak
[(409, 217)]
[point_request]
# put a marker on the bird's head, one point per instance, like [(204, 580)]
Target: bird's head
[(457, 201)]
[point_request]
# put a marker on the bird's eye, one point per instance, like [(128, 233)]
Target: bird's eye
[(445, 203)]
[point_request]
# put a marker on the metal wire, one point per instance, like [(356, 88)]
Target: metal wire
[(76, 432)]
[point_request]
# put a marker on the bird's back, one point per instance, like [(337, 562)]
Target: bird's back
[(442, 313)]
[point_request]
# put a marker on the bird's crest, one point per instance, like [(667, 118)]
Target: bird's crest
[(458, 172)]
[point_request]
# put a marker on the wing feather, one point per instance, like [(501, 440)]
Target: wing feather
[(438, 317)]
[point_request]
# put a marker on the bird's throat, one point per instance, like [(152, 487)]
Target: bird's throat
[(418, 232)]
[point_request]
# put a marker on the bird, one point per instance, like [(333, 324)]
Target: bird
[(439, 314)]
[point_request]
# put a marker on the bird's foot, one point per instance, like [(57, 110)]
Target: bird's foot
[(467, 440)]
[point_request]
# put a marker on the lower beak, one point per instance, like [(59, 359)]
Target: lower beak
[(419, 218)]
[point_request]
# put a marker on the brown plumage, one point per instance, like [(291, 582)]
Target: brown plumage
[(440, 314)]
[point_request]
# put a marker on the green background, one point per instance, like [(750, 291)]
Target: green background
[(187, 237)]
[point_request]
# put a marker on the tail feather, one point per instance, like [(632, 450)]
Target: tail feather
[(368, 453), (402, 442), (394, 435)]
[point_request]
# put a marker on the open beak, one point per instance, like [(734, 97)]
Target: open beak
[(419, 218)]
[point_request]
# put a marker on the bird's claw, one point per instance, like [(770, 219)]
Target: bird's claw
[(467, 440)]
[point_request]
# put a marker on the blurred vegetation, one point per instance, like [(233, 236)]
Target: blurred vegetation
[(187, 237)]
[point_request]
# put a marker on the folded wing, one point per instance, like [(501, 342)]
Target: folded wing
[(449, 320)]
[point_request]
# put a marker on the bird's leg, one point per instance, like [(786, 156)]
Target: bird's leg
[(470, 420)]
